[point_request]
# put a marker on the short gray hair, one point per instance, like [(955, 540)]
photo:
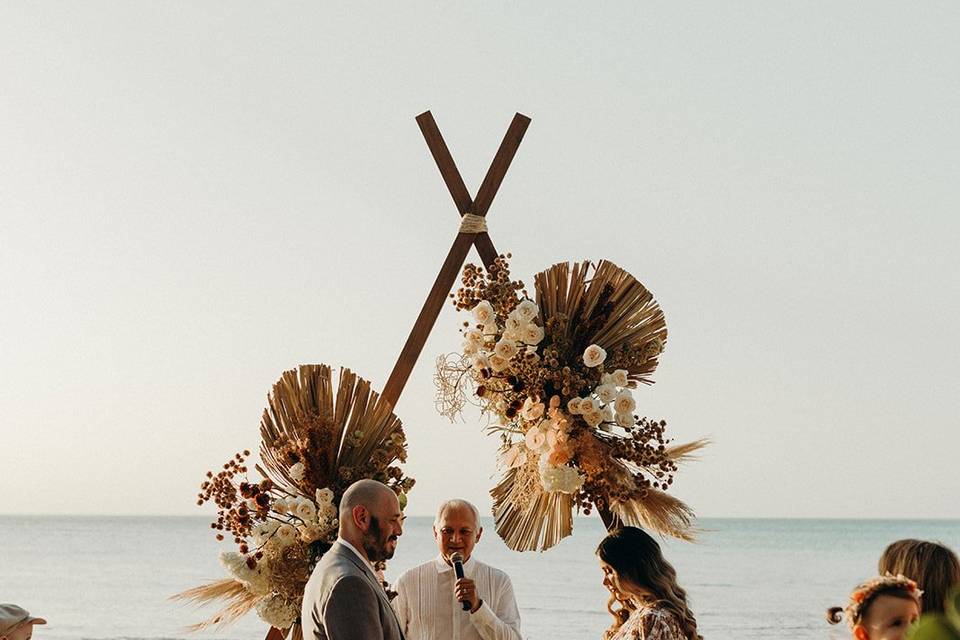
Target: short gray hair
[(456, 503)]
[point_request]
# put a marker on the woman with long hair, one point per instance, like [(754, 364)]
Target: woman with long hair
[(652, 605), (933, 566)]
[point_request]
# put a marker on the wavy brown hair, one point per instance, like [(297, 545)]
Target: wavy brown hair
[(931, 565), (638, 562)]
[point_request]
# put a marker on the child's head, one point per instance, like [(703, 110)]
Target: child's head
[(880, 609), (934, 567)]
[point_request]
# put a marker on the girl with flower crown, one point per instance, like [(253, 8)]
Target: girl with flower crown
[(883, 608), (654, 606)]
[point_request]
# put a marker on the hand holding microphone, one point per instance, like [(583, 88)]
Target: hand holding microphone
[(465, 588)]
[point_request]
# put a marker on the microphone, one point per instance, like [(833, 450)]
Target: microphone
[(457, 560)]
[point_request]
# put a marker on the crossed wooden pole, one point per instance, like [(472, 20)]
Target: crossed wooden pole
[(458, 252), (461, 244)]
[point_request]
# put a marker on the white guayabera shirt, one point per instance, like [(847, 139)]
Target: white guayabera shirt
[(428, 609)]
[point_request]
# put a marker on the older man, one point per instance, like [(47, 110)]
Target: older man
[(429, 600), (343, 599)]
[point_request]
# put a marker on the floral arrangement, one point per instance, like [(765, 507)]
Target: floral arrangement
[(557, 375), (316, 440)]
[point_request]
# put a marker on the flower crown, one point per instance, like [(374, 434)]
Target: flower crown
[(866, 591)]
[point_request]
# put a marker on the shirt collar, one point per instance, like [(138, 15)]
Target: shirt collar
[(442, 566), (358, 554)]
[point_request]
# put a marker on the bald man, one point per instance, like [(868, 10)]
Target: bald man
[(343, 599), (430, 597)]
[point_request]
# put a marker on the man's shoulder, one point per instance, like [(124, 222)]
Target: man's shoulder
[(414, 573), (497, 574)]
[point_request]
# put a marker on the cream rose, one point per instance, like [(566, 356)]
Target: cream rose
[(606, 393), (484, 313), (306, 511), (594, 355), (498, 364), (593, 418), (625, 420), (324, 496), (532, 334), (620, 378), (624, 402), (527, 310), (481, 362), (573, 406), (285, 535), (588, 405), (506, 349)]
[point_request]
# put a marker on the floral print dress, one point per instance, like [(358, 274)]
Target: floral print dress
[(649, 623)]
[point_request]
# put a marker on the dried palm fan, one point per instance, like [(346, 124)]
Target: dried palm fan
[(315, 436)]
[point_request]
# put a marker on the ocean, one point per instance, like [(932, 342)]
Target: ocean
[(106, 578)]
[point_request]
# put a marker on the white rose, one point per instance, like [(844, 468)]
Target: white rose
[(588, 405), (310, 533), (280, 506), (535, 439), (490, 330), (527, 310), (533, 334), (277, 612), (607, 414), (473, 336), (505, 349), (469, 348), (513, 324), (606, 392), (296, 471), (593, 418), (573, 406), (481, 362), (594, 355), (484, 313), (498, 364), (285, 535), (624, 402), (563, 478), (606, 378), (306, 511), (328, 511), (625, 420), (620, 378), (513, 335), (324, 496)]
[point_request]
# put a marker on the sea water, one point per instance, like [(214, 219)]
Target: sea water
[(111, 577)]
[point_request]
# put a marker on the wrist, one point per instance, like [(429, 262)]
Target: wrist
[(477, 608)]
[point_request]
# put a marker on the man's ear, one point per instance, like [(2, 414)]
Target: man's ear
[(860, 632), (361, 518), (479, 533)]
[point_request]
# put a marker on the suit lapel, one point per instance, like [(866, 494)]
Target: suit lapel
[(372, 579)]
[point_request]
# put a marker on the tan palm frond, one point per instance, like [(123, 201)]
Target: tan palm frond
[(685, 452), (349, 422), (658, 511), (240, 601), (608, 307), (525, 516)]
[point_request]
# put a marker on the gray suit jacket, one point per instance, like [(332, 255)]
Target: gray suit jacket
[(344, 601)]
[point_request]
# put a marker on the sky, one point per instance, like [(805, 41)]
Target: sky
[(195, 197)]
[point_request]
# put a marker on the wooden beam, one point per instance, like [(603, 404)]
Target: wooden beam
[(461, 244)]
